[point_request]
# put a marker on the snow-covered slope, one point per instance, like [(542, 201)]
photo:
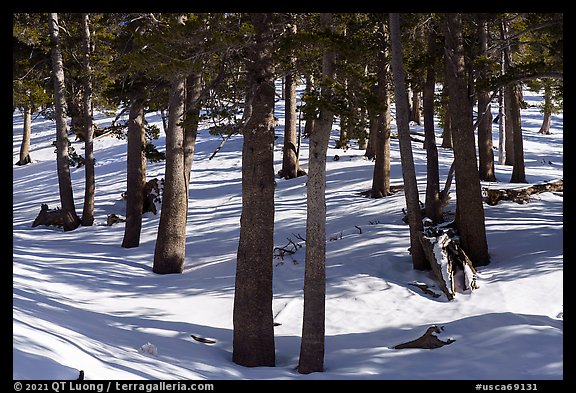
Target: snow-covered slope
[(82, 302)]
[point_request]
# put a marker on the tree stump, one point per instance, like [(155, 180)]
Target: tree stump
[(112, 219), (49, 217)]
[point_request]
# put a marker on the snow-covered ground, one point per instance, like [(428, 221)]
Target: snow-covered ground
[(82, 302)]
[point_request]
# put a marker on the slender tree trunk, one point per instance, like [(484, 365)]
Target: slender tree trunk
[(313, 327), (501, 118), (193, 106), (419, 260), (345, 128), (447, 130), (290, 164), (26, 133), (508, 130), (75, 109), (71, 220), (485, 150), (469, 208), (381, 176), (309, 116), (171, 241), (253, 341), (432, 204), (545, 128), (512, 98), (415, 110), (136, 171), (518, 170), (370, 152), (88, 209), (508, 97)]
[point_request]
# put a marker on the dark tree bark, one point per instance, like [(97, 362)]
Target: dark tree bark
[(71, 220), (75, 109), (518, 170), (193, 105), (545, 128), (381, 175), (419, 260), (469, 208), (136, 170), (309, 116), (447, 131), (253, 341), (508, 128), (88, 209), (171, 241), (313, 327), (509, 154), (26, 132), (415, 108), (485, 146), (370, 152), (501, 111), (512, 97), (345, 130), (432, 204), (290, 163)]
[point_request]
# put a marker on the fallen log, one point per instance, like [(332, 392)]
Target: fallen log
[(427, 341), (520, 194), (446, 257)]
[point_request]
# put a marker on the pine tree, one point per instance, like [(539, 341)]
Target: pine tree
[(70, 220), (253, 340), (469, 209), (408, 170)]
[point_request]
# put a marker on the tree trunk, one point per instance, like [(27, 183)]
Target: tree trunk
[(88, 209), (518, 170), (415, 110), (469, 208), (345, 128), (290, 164), (192, 107), (419, 261), (70, 221), (381, 176), (313, 327), (447, 129), (508, 129), (508, 97), (512, 97), (136, 170), (501, 125), (171, 241), (75, 111), (253, 341), (309, 115), (26, 132), (370, 152), (432, 204), (545, 128), (485, 147)]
